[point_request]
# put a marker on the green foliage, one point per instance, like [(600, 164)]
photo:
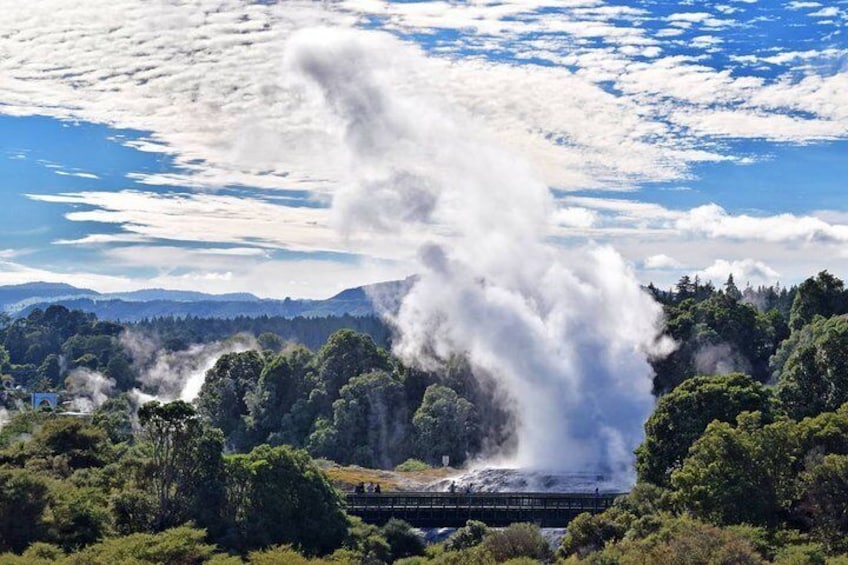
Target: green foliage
[(78, 517), (370, 423), (717, 335), (346, 355), (589, 533), (808, 554), (312, 332), (814, 378), (222, 398), (517, 541), (176, 546), (365, 542), (115, 418), (740, 475), (133, 511), (276, 495), (23, 500), (63, 445), (825, 497), (823, 295), (278, 406), (682, 415), (187, 467), (270, 341), (470, 535), (402, 540), (412, 466), (445, 424), (683, 541)]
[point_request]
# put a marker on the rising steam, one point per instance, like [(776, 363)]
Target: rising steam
[(567, 333), (89, 389), (176, 375)]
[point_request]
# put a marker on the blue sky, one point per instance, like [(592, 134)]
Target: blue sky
[(173, 146)]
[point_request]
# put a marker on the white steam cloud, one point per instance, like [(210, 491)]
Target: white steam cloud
[(177, 375), (89, 389), (568, 339)]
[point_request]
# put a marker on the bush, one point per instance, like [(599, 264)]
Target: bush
[(589, 533), (177, 546), (412, 466), (402, 540), (517, 540), (467, 536)]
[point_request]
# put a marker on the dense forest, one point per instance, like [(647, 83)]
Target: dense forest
[(745, 458)]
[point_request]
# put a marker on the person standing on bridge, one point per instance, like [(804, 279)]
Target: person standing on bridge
[(377, 489)]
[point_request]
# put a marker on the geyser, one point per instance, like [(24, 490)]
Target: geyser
[(566, 332)]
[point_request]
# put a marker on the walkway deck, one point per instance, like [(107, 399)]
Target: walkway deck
[(438, 509)]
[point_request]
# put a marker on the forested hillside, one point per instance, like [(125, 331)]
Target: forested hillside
[(745, 458)]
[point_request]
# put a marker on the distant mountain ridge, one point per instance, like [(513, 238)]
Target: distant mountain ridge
[(19, 300)]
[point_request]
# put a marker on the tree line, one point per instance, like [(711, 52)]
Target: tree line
[(745, 458)]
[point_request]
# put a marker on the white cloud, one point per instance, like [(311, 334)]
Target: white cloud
[(828, 12), (713, 221), (661, 261), (209, 86), (743, 271), (574, 216), (614, 108)]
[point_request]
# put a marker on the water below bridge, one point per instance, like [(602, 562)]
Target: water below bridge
[(445, 510)]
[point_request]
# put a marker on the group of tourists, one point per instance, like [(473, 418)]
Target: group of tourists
[(469, 488), (370, 488)]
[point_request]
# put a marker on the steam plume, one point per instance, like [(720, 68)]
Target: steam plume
[(90, 389), (171, 375), (566, 332)]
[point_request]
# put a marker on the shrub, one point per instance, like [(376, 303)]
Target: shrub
[(467, 536), (412, 466), (517, 540), (402, 539)]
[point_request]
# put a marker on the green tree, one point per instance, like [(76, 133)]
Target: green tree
[(222, 398), (282, 383), (682, 415), (186, 477), (402, 539), (589, 533), (346, 355), (50, 370), (517, 541), (270, 341), (24, 496), (814, 378), (716, 335), (823, 295), (370, 423), (825, 498), (178, 546), (278, 496), (743, 474), (78, 517), (445, 424)]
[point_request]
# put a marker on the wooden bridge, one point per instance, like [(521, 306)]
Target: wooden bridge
[(441, 509)]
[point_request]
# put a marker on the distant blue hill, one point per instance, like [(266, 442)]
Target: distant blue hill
[(20, 300)]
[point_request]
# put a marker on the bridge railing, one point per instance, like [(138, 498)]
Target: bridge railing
[(427, 507)]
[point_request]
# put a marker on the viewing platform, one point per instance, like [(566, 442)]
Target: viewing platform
[(443, 509)]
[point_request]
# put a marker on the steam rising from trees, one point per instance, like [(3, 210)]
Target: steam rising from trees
[(177, 375), (89, 389), (566, 333)]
